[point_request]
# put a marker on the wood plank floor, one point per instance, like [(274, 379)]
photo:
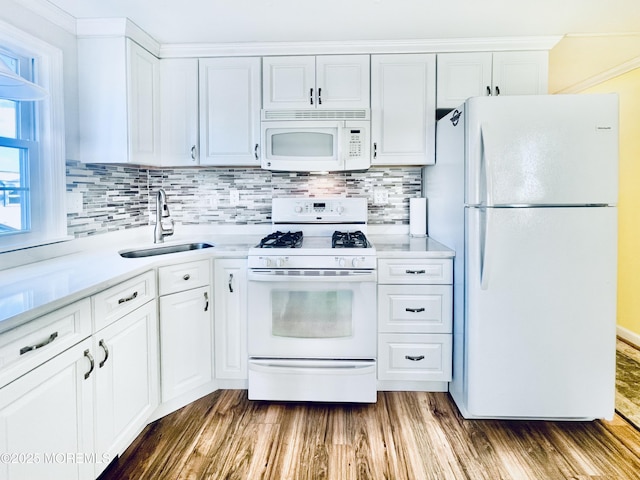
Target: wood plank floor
[(404, 436), (628, 382)]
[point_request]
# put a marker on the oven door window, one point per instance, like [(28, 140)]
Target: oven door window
[(312, 314)]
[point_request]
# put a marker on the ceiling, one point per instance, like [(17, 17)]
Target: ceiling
[(231, 21)]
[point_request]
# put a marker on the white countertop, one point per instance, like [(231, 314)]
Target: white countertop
[(64, 273)]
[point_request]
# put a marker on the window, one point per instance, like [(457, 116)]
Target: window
[(32, 169)]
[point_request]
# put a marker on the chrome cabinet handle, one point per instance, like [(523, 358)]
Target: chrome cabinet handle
[(488, 90), (319, 96), (106, 353), (414, 358), (88, 355), (128, 299), (415, 310), (375, 149), (206, 301), (497, 90), (255, 151), (230, 280), (193, 153), (415, 272), (186, 277), (311, 96), (28, 348)]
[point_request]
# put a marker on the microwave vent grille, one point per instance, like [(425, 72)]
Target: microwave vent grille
[(362, 114)]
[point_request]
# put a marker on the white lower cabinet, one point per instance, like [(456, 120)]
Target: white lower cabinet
[(231, 318), (126, 380), (415, 301), (46, 420), (186, 336), (186, 330)]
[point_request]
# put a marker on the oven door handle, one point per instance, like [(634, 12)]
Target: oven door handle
[(270, 276), (333, 367)]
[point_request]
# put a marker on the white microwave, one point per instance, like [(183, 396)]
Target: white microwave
[(315, 141)]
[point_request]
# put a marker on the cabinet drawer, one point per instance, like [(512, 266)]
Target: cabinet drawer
[(29, 345), (113, 303), (183, 276), (414, 357), (415, 308), (415, 271)]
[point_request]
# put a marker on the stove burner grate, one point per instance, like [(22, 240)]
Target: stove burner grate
[(355, 239), (281, 240)]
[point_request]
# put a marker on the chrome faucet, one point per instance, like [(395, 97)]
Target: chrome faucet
[(162, 211)]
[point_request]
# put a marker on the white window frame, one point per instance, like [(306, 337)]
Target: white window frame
[(50, 210)]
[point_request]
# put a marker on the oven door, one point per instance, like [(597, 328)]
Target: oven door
[(312, 314)]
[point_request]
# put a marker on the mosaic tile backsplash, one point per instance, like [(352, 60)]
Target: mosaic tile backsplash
[(116, 197)]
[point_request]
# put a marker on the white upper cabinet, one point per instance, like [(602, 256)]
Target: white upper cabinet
[(119, 102), (179, 111), (323, 82), (403, 104), (464, 75), (230, 99)]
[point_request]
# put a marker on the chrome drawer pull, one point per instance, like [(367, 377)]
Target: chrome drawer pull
[(28, 348), (415, 310), (230, 285), (106, 353), (415, 272), (128, 299), (206, 301), (414, 359), (186, 277), (88, 355)]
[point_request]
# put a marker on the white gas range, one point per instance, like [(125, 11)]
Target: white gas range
[(312, 304)]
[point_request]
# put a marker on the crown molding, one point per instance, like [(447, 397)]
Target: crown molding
[(116, 27), (354, 47), (52, 13), (603, 76)]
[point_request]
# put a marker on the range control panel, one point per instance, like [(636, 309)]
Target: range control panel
[(319, 210)]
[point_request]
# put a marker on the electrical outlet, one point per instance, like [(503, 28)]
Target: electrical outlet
[(380, 197), (234, 197), (74, 202)]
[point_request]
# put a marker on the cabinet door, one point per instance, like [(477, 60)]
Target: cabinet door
[(342, 81), (179, 107), (403, 103), (520, 73), (463, 75), (288, 82), (186, 340), (126, 356), (231, 318), (230, 111), (144, 105), (47, 415)]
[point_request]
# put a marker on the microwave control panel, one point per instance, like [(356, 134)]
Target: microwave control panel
[(355, 140)]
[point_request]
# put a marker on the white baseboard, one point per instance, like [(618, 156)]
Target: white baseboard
[(628, 335)]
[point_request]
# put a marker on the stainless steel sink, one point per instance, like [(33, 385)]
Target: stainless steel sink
[(163, 250)]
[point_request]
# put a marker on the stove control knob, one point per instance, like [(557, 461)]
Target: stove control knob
[(341, 261), (354, 262), (266, 261), (280, 262), (298, 209), (340, 209)]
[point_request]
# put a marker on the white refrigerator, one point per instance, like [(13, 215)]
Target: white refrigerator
[(525, 189)]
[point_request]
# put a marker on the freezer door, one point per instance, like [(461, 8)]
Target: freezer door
[(542, 150), (540, 312)]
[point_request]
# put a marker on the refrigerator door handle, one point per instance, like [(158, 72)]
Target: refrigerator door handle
[(485, 165), (485, 258)]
